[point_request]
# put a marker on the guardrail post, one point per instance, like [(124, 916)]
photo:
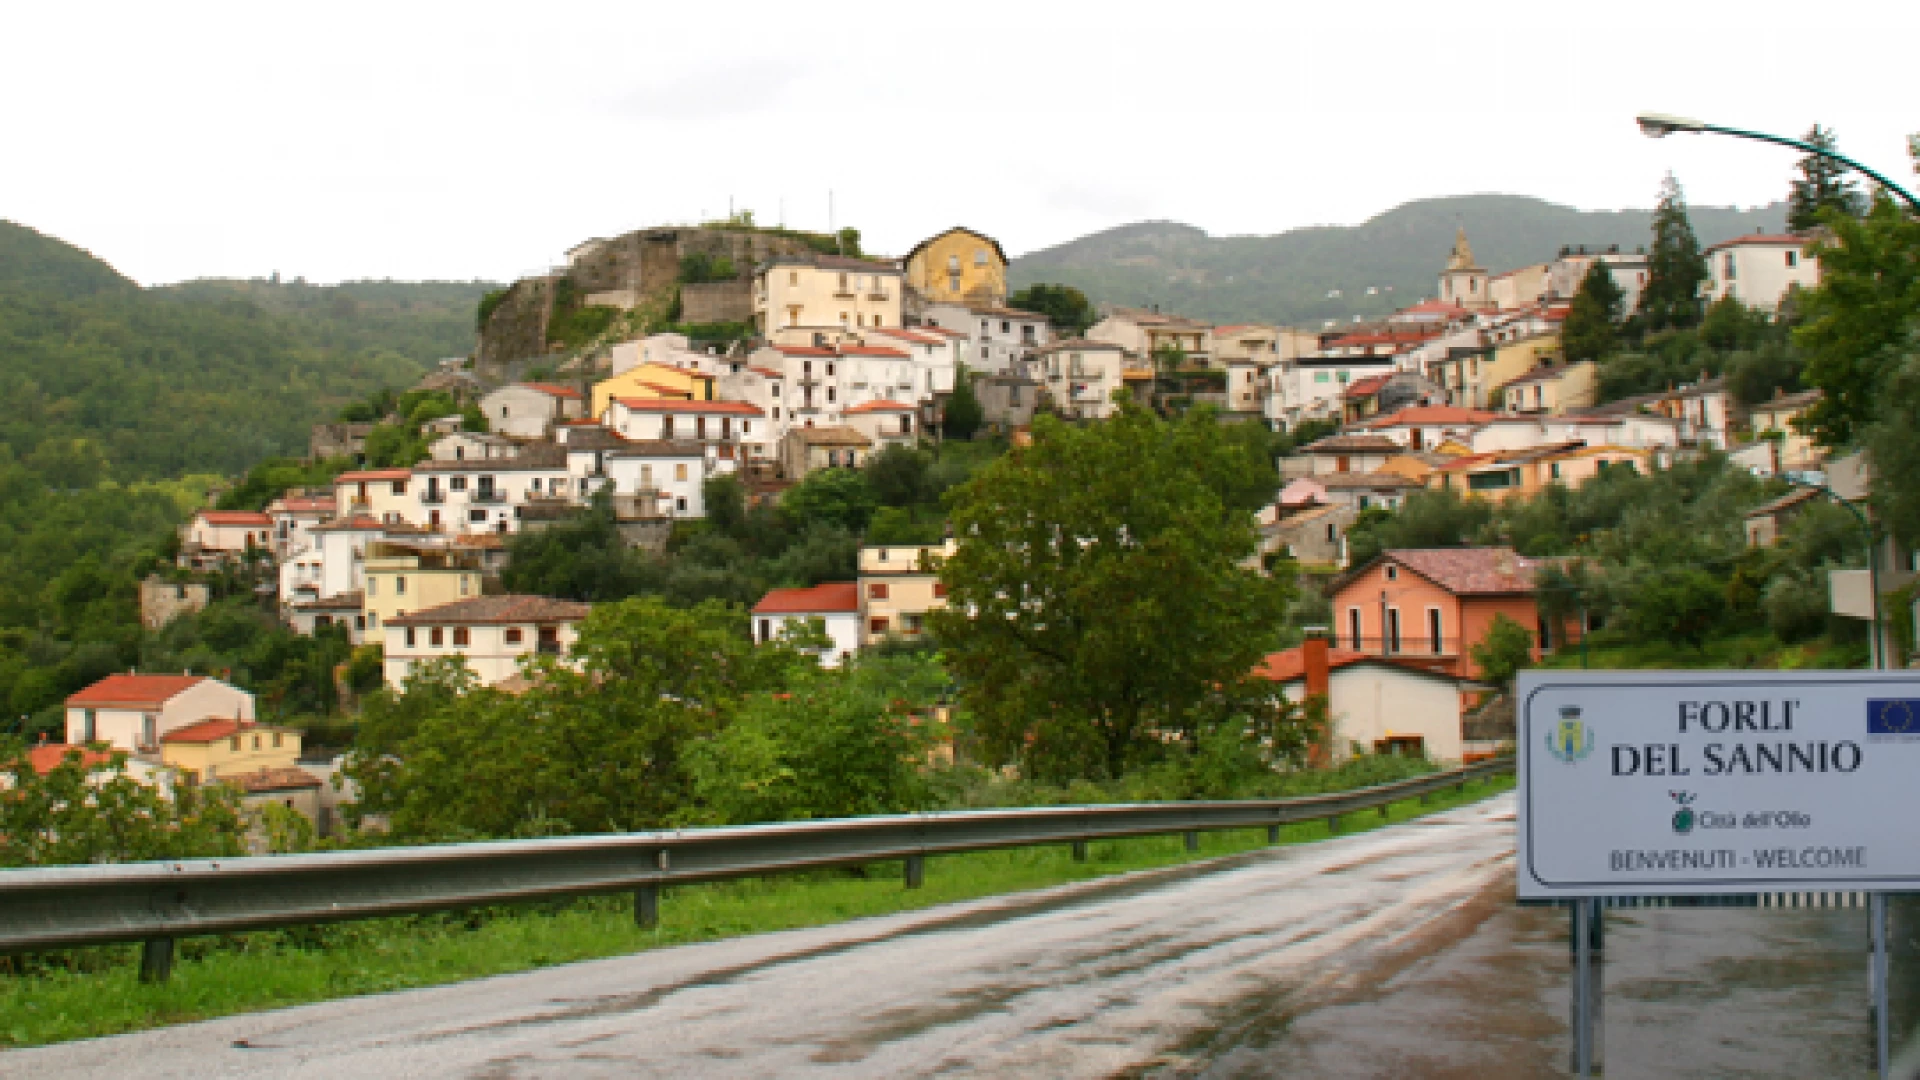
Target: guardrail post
[(1193, 841), (1426, 798), (1079, 851), (1273, 834), (646, 907), (156, 960), (1333, 823), (916, 871), (1383, 808)]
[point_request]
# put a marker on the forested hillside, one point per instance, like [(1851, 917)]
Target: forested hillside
[(121, 402), (105, 379), (1287, 278)]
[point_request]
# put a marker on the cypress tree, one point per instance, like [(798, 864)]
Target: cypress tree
[(964, 414), (1823, 185), (1675, 269)]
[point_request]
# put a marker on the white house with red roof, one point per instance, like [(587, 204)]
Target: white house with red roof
[(722, 427), (836, 606), (294, 515), (133, 712), (212, 537), (886, 423), (385, 495), (529, 410), (1758, 269), (998, 339), (1422, 427), (934, 355), (1375, 704)]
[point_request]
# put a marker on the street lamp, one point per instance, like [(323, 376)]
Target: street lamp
[(1660, 125), (1816, 481)]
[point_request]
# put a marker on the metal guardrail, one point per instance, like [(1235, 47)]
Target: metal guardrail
[(155, 902)]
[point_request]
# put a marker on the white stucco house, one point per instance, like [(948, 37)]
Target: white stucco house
[(489, 633), (133, 712), (529, 410), (1758, 270), (1382, 704), (836, 605)]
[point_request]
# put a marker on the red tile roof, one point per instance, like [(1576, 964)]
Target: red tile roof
[(552, 389), (1756, 239), (715, 408), (282, 778), (1478, 571), (1438, 307), (214, 729), (1430, 414), (805, 350), (373, 474), (1289, 665), (835, 597), (912, 335), (766, 371), (873, 350), (45, 757), (879, 406), (305, 504), (135, 690), (234, 517), (1390, 337), (495, 610), (1369, 386)]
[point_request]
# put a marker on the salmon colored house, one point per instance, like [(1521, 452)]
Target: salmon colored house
[(1433, 605)]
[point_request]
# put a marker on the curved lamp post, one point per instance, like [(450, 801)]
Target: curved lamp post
[(1660, 125)]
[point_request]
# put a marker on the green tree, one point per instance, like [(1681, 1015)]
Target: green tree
[(833, 744), (839, 497), (601, 748), (899, 476), (725, 497), (584, 559), (1503, 650), (1100, 614), (1823, 185), (1889, 437), (1066, 308), (1675, 268), (1590, 331), (1681, 605), (1852, 326), (964, 414), (81, 811)]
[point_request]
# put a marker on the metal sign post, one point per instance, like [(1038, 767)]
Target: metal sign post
[(1715, 784)]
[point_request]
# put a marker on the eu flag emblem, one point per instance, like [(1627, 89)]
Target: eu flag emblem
[(1893, 716)]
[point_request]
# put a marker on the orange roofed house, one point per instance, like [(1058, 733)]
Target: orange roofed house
[(836, 604), (1432, 605), (135, 712), (1379, 704)]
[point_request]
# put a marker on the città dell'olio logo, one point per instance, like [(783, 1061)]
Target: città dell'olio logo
[(1571, 739)]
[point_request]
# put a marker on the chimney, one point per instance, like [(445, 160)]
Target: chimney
[(1313, 662)]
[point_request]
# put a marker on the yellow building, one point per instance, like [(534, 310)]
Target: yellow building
[(825, 293), (1551, 389), (958, 266), (215, 750), (403, 577), (653, 382), (1473, 378), (898, 586)]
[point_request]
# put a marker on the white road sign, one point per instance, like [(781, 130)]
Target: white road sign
[(1652, 783)]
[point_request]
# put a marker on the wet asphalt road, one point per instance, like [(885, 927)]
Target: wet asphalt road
[(1392, 953)]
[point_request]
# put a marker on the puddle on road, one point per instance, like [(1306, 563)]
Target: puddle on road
[(1690, 993)]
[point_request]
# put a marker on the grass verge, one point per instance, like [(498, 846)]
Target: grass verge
[(251, 972)]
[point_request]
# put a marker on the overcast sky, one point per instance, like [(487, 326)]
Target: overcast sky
[(462, 140)]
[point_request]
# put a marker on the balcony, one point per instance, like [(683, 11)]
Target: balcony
[(433, 496), (843, 294), (880, 296), (492, 496)]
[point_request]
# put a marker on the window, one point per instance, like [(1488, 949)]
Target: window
[(477, 516), (1321, 376), (411, 642), (877, 626), (276, 740), (464, 584), (793, 277), (373, 585), (1433, 628), (1393, 630), (680, 471), (1353, 625), (939, 590), (460, 637), (457, 483), (906, 425), (877, 591), (1393, 572), (980, 257), (680, 503), (256, 742), (1730, 270), (953, 264), (149, 730), (436, 637), (513, 635), (233, 744), (1546, 635), (766, 630), (829, 369), (399, 487), (1793, 259), (666, 427), (400, 586)]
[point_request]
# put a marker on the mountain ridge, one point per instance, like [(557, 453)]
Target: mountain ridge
[(1286, 277)]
